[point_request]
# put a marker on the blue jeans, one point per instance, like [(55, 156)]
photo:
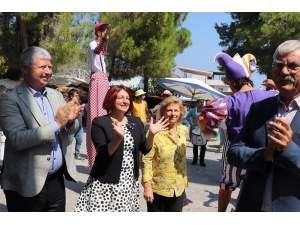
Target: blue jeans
[(78, 138)]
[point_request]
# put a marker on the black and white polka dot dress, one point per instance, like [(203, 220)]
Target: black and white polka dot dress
[(98, 196)]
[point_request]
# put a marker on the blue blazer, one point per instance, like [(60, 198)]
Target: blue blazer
[(246, 152)]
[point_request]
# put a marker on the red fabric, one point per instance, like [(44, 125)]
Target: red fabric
[(100, 48), (225, 191), (98, 88), (98, 27)]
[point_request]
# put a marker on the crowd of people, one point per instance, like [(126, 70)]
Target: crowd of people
[(259, 141)]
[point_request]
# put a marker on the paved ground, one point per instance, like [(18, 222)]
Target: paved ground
[(202, 190)]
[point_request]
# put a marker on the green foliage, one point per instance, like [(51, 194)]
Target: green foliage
[(224, 80), (64, 35), (3, 66), (67, 43), (153, 88), (10, 45), (258, 34), (19, 30), (142, 43), (145, 43)]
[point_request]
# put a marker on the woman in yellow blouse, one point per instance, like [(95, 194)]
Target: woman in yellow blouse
[(164, 167)]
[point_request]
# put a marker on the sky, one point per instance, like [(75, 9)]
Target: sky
[(200, 55)]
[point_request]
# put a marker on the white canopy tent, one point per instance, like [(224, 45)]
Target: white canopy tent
[(9, 84), (190, 88)]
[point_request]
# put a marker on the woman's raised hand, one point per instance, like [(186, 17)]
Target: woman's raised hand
[(160, 125), (117, 127)]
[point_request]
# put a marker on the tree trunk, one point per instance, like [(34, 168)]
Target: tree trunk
[(111, 70), (146, 80), (269, 76), (24, 40)]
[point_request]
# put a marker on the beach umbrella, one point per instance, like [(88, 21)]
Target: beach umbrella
[(188, 87)]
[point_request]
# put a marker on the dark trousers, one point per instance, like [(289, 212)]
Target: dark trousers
[(202, 153), (166, 204), (52, 197)]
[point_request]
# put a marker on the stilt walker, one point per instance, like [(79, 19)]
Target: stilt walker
[(99, 84)]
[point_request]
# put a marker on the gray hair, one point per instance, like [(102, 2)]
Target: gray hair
[(286, 47), (30, 53)]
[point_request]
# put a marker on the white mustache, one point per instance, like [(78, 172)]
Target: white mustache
[(285, 78)]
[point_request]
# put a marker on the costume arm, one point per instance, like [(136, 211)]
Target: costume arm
[(100, 46), (214, 113), (211, 116)]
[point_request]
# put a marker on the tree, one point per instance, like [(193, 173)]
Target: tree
[(68, 40), (145, 43), (3, 67), (64, 35), (18, 31), (258, 34)]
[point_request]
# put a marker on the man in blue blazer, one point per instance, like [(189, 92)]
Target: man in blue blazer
[(36, 122), (268, 146)]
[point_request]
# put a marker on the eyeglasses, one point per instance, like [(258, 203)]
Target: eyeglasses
[(291, 67)]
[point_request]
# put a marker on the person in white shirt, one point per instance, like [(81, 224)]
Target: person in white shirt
[(99, 83)]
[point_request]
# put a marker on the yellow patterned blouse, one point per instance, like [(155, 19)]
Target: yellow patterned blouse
[(165, 164)]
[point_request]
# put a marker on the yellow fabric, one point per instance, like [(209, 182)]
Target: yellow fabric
[(137, 110), (165, 164)]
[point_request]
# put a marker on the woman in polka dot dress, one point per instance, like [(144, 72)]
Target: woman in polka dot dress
[(113, 184)]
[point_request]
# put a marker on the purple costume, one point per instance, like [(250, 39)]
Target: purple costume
[(234, 109)]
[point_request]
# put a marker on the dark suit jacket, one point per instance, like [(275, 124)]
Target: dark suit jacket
[(108, 168), (246, 152)]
